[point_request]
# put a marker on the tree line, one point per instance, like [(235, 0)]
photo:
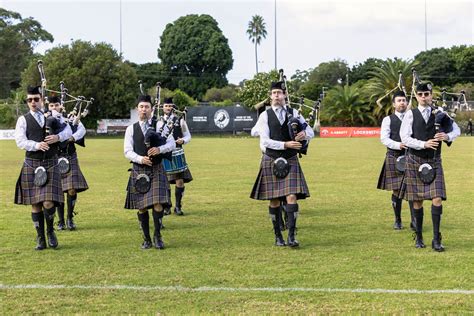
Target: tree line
[(194, 59)]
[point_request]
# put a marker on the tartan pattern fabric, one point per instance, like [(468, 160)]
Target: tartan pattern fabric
[(74, 179), (26, 192), (185, 175), (390, 179), (267, 186), (159, 189), (413, 189)]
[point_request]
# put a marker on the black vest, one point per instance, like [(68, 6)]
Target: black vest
[(178, 132), (279, 133), (37, 133), (395, 124), (139, 143), (424, 131)]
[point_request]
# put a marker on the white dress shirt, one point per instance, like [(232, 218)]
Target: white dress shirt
[(136, 158), (80, 132), (23, 142), (262, 129), (406, 130), (385, 132)]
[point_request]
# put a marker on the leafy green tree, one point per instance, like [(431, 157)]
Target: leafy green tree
[(148, 73), (256, 31), (345, 106), (327, 74), (92, 70), (194, 54), (362, 71), (257, 89), (18, 37), (300, 77), (437, 65), (222, 94)]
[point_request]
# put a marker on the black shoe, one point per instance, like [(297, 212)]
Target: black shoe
[(437, 245), (292, 242), (159, 244), (178, 211), (52, 239), (166, 211), (146, 244), (279, 241), (70, 224), (40, 243), (61, 225), (398, 225), (418, 240)]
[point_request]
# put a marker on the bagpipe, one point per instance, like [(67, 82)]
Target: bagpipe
[(155, 137), (443, 120), (295, 126), (53, 118), (54, 123)]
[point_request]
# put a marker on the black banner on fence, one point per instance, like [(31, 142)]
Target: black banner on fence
[(229, 119)]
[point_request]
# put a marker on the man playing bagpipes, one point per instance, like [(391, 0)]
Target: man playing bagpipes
[(72, 179), (39, 183), (177, 169), (391, 175), (281, 130), (148, 185), (423, 130)]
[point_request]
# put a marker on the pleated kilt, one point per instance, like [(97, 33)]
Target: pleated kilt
[(185, 175), (267, 186), (74, 179), (390, 179), (413, 189), (26, 192), (159, 189)]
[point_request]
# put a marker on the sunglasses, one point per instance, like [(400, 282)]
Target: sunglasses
[(423, 94), (29, 100)]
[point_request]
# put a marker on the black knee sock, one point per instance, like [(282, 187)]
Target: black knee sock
[(292, 211), (418, 219), (60, 208), (275, 215), (38, 221), (436, 212), (49, 217), (144, 220), (412, 214), (178, 193), (157, 221), (397, 207), (71, 203)]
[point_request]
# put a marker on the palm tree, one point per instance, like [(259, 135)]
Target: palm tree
[(256, 31), (383, 80), (345, 106)]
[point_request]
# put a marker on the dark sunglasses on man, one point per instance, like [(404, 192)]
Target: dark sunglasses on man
[(29, 100), (423, 94)]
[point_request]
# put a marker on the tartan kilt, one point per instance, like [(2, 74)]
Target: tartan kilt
[(185, 175), (413, 189), (267, 186), (26, 192), (74, 179), (390, 179), (159, 189)]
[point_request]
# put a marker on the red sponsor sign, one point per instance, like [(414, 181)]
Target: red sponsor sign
[(350, 132)]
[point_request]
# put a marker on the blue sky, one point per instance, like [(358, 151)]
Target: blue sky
[(309, 32)]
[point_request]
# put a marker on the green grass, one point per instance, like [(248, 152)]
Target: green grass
[(226, 239)]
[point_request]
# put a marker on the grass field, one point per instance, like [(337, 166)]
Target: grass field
[(225, 241)]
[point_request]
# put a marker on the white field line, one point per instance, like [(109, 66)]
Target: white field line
[(229, 289)]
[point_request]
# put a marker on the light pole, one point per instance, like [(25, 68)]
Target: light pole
[(324, 93)]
